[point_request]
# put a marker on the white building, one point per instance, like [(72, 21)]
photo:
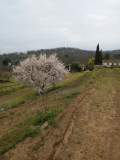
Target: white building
[(110, 63)]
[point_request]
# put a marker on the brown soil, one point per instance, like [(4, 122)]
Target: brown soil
[(12, 117), (88, 130)]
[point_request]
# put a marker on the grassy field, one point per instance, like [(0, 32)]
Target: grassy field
[(23, 111)]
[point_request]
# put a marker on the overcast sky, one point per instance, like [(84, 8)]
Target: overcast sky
[(36, 24)]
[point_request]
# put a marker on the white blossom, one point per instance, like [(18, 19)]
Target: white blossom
[(40, 72)]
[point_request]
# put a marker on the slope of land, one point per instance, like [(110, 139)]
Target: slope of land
[(83, 121), (66, 54)]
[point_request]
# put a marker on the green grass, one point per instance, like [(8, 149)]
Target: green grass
[(27, 129), (48, 116), (66, 86), (12, 138), (72, 95), (58, 99), (5, 90), (71, 79), (19, 100)]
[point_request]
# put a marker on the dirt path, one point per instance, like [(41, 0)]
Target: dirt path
[(96, 129), (88, 130)]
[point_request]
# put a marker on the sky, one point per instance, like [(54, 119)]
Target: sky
[(38, 24)]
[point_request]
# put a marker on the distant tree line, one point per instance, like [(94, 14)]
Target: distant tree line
[(76, 57)]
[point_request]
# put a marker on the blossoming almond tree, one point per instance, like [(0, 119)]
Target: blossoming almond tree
[(40, 72)]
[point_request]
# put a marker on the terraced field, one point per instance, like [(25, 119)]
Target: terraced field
[(76, 120)]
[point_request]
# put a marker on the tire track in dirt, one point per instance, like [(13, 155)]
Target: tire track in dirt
[(96, 133), (50, 144), (68, 130), (89, 129)]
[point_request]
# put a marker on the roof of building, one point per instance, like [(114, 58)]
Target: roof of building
[(112, 61)]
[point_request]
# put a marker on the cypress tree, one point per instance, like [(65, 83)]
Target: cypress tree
[(98, 56)]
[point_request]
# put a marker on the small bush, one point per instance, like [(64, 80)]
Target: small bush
[(75, 67), (48, 116)]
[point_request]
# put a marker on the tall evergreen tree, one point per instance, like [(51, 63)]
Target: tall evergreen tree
[(98, 56), (101, 57)]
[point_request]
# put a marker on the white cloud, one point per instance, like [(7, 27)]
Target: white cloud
[(35, 24)]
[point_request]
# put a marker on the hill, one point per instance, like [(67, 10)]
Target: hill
[(67, 55)]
